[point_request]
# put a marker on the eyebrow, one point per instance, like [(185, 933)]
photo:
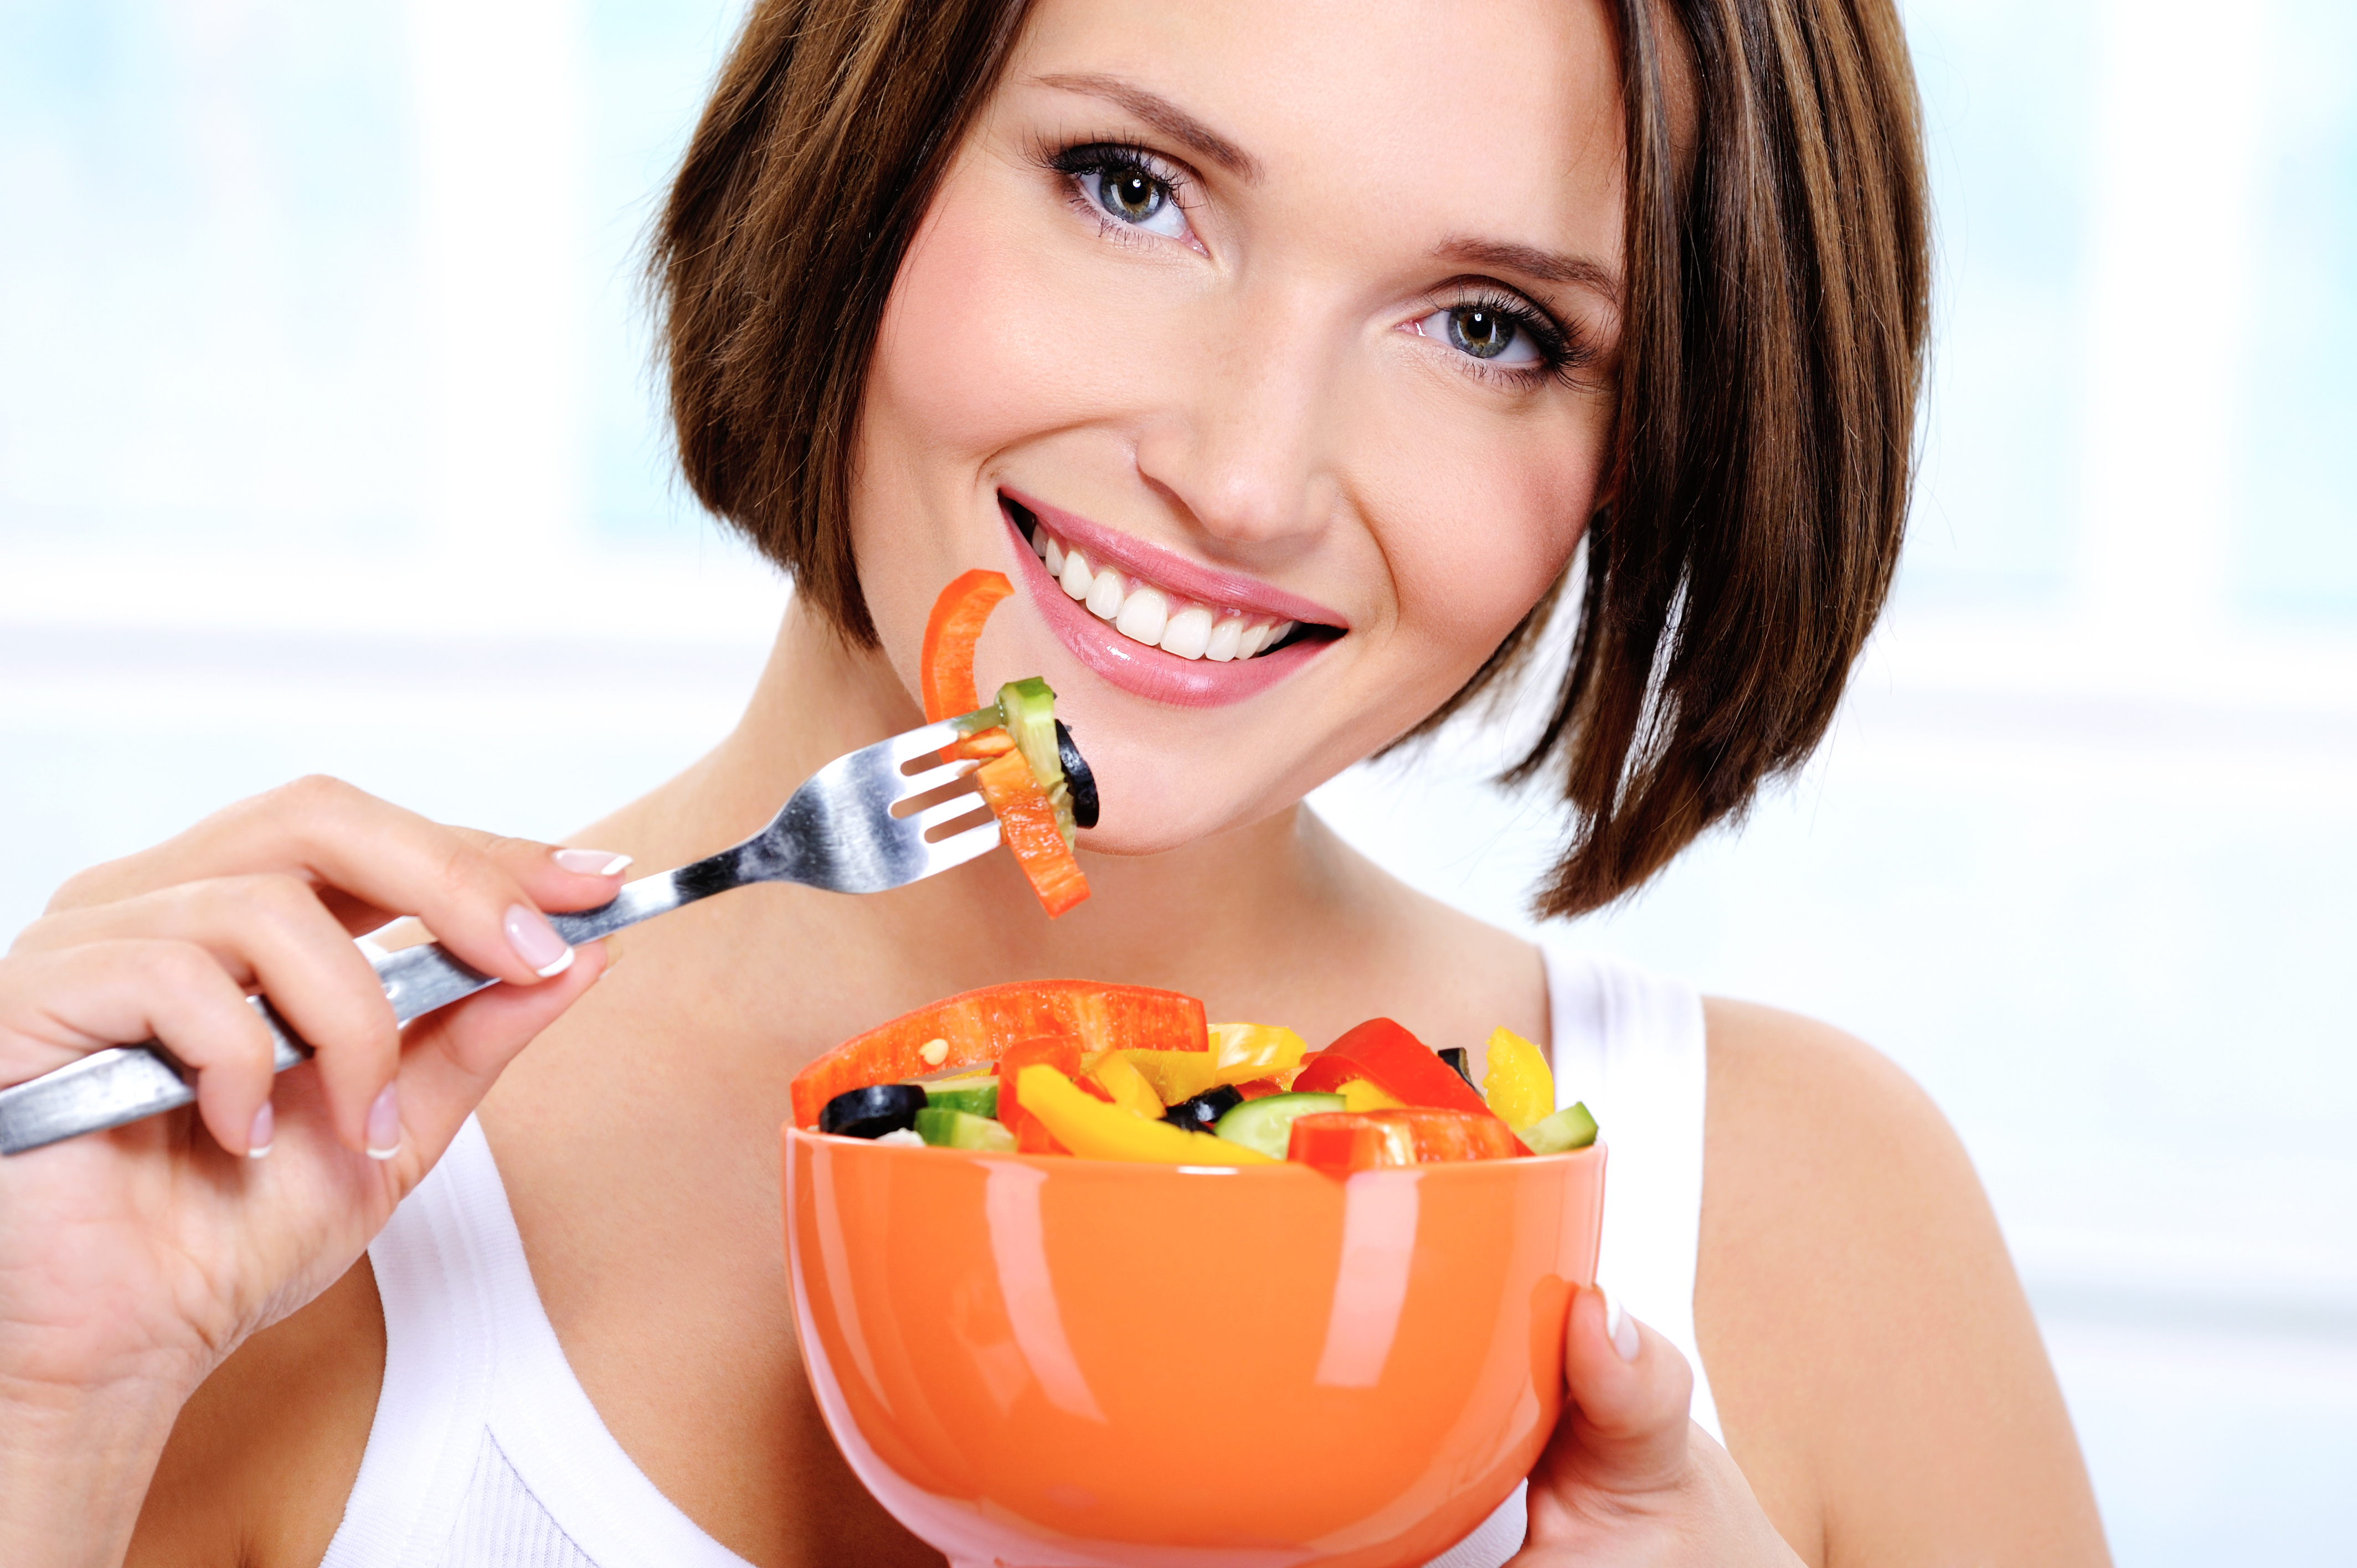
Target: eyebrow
[(1548, 266), (1163, 116)]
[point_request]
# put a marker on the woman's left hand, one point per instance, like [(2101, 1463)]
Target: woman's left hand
[(1628, 1479)]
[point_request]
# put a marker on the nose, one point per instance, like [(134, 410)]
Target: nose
[(1244, 441)]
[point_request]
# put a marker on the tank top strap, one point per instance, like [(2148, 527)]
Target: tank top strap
[(486, 1450), (1631, 1045)]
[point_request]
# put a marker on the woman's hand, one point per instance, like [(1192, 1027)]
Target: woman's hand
[(131, 1262), (1628, 1480)]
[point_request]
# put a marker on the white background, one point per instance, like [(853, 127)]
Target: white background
[(328, 443)]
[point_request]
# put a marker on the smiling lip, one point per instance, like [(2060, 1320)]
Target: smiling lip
[(1148, 671)]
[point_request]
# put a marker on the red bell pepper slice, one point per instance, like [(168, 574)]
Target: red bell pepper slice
[(1341, 1141), (949, 635), (975, 1025), (1059, 1051), (1027, 826), (1395, 1061)]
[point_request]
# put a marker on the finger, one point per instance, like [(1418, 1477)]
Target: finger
[(271, 933), (1630, 1389), (552, 876), (388, 859), (453, 1057), (56, 1006)]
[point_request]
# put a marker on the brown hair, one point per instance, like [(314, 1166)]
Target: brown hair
[(1771, 353)]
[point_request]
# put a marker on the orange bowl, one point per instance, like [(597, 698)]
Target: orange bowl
[(1044, 1362)]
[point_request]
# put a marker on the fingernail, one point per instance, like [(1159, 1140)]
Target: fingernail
[(592, 862), (258, 1136), (1620, 1328), (383, 1130), (536, 942)]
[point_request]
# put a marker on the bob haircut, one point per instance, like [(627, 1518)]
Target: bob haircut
[(1772, 355)]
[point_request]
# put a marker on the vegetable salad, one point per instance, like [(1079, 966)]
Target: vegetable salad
[(1116, 1072)]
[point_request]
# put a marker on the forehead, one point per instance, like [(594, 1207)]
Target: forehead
[(1491, 116)]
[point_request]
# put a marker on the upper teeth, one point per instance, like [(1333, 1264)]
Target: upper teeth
[(1156, 616)]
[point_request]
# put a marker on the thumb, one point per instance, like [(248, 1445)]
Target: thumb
[(1629, 1391)]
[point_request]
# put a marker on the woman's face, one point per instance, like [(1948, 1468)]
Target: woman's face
[(1271, 312)]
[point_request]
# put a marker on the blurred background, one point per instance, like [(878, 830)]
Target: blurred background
[(329, 442)]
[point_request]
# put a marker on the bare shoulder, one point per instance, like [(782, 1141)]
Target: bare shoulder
[(265, 1455), (1875, 1365)]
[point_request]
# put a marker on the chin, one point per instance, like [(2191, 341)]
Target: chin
[(1156, 799)]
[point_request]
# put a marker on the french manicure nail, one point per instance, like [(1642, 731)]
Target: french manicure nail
[(592, 862), (383, 1130), (1620, 1328), (536, 942), (257, 1136)]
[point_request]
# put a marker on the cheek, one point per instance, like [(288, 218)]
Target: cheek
[(1478, 522), (982, 345)]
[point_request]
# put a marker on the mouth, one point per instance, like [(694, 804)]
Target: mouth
[(1155, 623)]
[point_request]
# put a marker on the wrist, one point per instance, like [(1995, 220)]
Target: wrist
[(75, 1465)]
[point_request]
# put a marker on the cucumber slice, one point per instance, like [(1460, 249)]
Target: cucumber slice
[(974, 1096), (947, 1129), (1028, 708), (1569, 1128), (1266, 1123)]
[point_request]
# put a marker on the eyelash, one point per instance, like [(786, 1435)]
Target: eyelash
[(1082, 159), (1562, 351)]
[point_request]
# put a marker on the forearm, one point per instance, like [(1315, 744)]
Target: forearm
[(74, 1469)]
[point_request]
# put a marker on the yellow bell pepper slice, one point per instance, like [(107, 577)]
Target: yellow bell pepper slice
[(1518, 1083), (1118, 1077), (1242, 1052), (1173, 1076), (1364, 1095), (1095, 1130)]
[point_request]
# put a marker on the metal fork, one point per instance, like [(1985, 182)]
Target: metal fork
[(836, 833)]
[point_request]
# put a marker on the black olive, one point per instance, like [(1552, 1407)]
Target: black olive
[(873, 1111), (1202, 1113), (1077, 779), (1455, 1056)]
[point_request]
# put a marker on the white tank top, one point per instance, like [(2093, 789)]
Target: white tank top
[(486, 1453)]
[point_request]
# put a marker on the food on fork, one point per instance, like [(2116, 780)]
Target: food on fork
[(1123, 1072), (1024, 775)]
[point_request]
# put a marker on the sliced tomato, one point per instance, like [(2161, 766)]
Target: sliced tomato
[(1387, 1056), (949, 635), (974, 1027), (1027, 825), (1341, 1141)]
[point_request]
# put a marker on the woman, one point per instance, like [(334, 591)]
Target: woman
[(1362, 318)]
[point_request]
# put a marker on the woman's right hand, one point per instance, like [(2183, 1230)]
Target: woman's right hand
[(131, 1262)]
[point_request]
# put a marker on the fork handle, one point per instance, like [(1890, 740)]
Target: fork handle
[(128, 1083)]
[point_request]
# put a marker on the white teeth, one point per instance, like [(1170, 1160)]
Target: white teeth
[(1106, 595), (1143, 616), (1188, 633)]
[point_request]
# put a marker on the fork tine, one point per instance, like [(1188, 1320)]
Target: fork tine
[(916, 742), (943, 812), (908, 785), (959, 848)]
